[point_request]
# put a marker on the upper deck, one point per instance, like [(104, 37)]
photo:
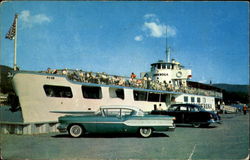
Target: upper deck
[(122, 81)]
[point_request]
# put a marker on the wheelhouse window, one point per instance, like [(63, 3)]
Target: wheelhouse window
[(58, 91), (153, 97), (185, 98), (158, 66), (116, 93), (163, 66), (140, 96), (91, 92), (168, 66)]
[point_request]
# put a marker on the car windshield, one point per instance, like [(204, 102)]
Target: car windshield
[(139, 113), (199, 108), (173, 108)]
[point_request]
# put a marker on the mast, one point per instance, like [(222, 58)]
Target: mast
[(167, 48), (15, 45)]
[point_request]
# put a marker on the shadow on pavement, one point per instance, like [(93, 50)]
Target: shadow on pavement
[(201, 127), (154, 135)]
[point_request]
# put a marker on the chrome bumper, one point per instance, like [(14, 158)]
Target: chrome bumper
[(213, 121), (62, 128), (172, 128)]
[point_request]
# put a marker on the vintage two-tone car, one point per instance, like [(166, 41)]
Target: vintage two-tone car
[(189, 114), (116, 119)]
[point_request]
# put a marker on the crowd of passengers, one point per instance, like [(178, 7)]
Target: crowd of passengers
[(132, 81)]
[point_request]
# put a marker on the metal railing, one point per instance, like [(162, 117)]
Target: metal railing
[(146, 83)]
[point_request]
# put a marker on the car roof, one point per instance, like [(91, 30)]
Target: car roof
[(119, 107)]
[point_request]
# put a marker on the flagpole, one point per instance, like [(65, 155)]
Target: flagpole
[(15, 46)]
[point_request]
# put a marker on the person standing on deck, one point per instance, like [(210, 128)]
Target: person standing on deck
[(132, 76)]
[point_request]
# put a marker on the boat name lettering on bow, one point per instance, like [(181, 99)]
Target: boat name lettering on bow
[(50, 77)]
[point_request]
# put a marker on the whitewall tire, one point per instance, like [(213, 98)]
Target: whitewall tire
[(145, 132), (75, 130)]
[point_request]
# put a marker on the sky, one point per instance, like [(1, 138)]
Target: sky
[(210, 38)]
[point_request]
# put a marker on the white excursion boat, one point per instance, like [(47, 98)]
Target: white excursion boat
[(44, 96)]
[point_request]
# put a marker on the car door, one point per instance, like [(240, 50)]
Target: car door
[(110, 122), (183, 114), (193, 115), (175, 111)]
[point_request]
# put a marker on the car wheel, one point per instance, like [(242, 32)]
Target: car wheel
[(196, 125), (145, 132), (75, 130)]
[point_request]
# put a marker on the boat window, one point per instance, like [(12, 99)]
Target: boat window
[(198, 100), (57, 91), (163, 66), (153, 97), (163, 98), (158, 66), (185, 98), (192, 99), (168, 66), (140, 96), (91, 92), (116, 93), (203, 100)]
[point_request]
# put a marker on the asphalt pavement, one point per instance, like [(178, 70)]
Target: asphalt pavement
[(226, 141)]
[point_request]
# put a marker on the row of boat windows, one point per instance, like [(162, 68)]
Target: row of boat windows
[(96, 93), (192, 99), (164, 66)]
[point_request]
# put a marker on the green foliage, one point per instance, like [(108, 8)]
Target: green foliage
[(5, 81)]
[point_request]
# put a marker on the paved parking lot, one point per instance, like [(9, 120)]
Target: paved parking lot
[(229, 141)]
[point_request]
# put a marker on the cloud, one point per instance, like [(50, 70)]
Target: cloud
[(139, 38), (153, 27), (31, 20), (151, 18)]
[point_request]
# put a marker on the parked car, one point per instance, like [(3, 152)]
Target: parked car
[(189, 114), (116, 119)]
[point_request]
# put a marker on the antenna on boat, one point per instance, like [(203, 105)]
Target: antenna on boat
[(167, 48)]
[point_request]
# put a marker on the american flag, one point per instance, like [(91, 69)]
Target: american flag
[(12, 31)]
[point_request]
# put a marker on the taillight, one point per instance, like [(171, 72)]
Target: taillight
[(174, 118)]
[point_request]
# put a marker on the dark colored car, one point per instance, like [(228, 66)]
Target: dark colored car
[(189, 114)]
